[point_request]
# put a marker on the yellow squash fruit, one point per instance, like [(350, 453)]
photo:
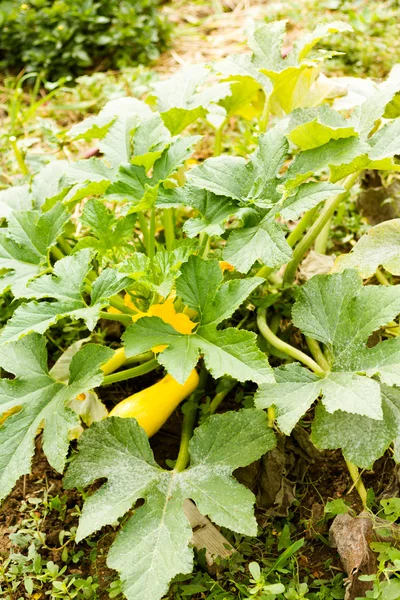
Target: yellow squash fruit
[(154, 405), (115, 362)]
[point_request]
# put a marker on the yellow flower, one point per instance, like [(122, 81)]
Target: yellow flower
[(225, 266), (24, 6), (60, 27), (179, 321)]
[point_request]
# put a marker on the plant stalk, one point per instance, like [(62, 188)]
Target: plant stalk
[(295, 235), (218, 139), (324, 217), (56, 252), (118, 303), (265, 114), (204, 245), (283, 346), (189, 419), (228, 385), (18, 155), (169, 227), (141, 369), (322, 239), (151, 250), (144, 230), (125, 319), (317, 353), (358, 482), (381, 277)]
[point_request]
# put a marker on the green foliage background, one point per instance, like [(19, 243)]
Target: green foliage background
[(67, 36)]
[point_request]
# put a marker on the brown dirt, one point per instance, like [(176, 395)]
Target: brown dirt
[(213, 30)]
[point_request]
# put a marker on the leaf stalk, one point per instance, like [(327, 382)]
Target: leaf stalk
[(284, 346), (324, 217)]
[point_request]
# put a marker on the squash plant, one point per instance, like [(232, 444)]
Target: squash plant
[(170, 247)]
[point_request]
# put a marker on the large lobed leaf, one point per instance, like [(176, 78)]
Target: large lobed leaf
[(226, 352), (340, 312), (65, 291), (39, 401), (153, 545)]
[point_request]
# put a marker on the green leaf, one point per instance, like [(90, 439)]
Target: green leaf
[(312, 127), (88, 177), (214, 210), (306, 43), (186, 90), (339, 312), (297, 388), (66, 286), (158, 275), (307, 196), (385, 142), (254, 181), (150, 139), (177, 119), (296, 79), (370, 111), (113, 126), (173, 157), (223, 176), (265, 242), (334, 153), (266, 43), (25, 244), (239, 68), (132, 184), (42, 402), (49, 186), (227, 352), (156, 538), (362, 440), (111, 237), (17, 197), (380, 246)]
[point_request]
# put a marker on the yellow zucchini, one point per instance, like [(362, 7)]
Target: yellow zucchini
[(152, 406), (115, 362)]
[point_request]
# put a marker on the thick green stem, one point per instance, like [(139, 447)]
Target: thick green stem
[(65, 247), (271, 416), (141, 369), (283, 346), (225, 386), (18, 155), (125, 319), (218, 139), (56, 253), (322, 240), (358, 482), (151, 249), (381, 277), (204, 245), (144, 230), (295, 235), (317, 353), (324, 217), (264, 272), (189, 410), (118, 303), (139, 358), (265, 115), (169, 227), (189, 419)]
